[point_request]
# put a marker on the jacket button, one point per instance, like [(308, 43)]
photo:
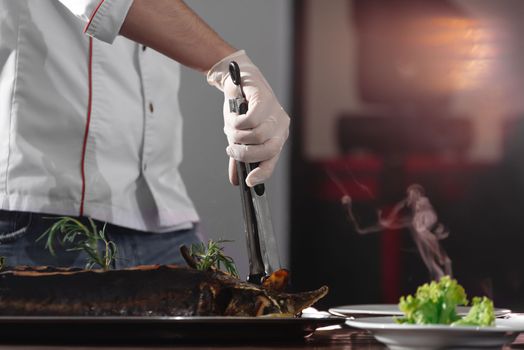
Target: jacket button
[(144, 48), (151, 107)]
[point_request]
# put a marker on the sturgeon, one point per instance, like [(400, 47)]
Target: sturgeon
[(152, 290)]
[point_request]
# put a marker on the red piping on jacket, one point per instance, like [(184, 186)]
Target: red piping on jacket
[(86, 132), (93, 15)]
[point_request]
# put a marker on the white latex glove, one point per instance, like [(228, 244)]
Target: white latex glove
[(259, 135)]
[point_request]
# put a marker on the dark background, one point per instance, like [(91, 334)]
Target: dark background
[(411, 59)]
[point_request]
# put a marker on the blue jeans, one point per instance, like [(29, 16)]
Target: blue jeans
[(19, 232)]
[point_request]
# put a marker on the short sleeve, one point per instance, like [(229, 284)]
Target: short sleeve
[(103, 18)]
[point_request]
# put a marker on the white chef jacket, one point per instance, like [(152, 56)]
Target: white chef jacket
[(89, 124)]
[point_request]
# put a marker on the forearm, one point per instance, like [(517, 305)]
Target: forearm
[(172, 28)]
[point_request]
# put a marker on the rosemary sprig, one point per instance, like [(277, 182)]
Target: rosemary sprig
[(80, 237), (212, 257)]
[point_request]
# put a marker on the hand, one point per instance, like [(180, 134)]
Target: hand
[(259, 135)]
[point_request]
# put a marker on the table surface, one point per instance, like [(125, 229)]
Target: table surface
[(334, 338)]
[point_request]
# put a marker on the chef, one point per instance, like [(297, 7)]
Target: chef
[(90, 123)]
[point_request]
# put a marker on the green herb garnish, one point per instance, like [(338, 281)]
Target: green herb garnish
[(436, 303), (212, 257), (72, 232)]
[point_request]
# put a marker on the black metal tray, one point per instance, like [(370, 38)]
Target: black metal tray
[(158, 329)]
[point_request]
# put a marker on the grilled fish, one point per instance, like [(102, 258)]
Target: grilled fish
[(155, 290)]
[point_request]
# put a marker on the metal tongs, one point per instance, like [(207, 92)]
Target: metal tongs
[(260, 238)]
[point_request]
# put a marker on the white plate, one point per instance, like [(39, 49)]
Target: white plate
[(374, 310), (425, 337)]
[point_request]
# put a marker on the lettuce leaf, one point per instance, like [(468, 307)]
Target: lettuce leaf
[(434, 303), (481, 314)]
